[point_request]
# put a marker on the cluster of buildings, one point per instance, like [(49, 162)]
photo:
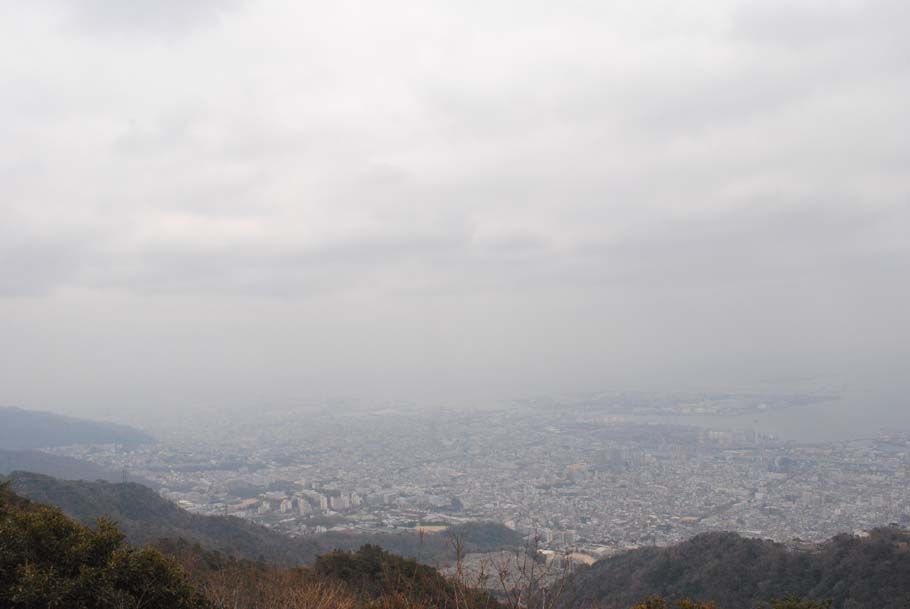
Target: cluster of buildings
[(570, 477), (303, 502)]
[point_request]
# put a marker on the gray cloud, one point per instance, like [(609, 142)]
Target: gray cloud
[(839, 27), (123, 21), (499, 198), (34, 264)]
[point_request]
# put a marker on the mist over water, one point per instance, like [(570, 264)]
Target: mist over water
[(858, 413)]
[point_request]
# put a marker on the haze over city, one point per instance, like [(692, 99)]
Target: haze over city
[(233, 205), (455, 305)]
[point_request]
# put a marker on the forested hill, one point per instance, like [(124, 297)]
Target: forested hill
[(48, 560), (57, 466), (27, 429), (740, 573), (145, 517)]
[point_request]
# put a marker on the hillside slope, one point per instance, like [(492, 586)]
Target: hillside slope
[(57, 466), (47, 560), (145, 517), (28, 429), (741, 573)]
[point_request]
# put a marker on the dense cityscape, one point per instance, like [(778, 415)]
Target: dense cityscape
[(595, 475)]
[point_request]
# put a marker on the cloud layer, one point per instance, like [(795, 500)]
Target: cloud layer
[(429, 199)]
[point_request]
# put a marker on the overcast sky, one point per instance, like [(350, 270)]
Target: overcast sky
[(258, 203)]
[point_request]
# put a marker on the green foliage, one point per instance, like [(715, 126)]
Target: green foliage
[(850, 572), (652, 602), (793, 602), (657, 602), (377, 574), (47, 561), (146, 518), (433, 548)]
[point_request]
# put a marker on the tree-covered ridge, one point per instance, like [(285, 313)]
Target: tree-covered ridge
[(26, 429), (739, 573), (375, 573), (57, 466), (47, 561), (658, 602), (146, 517)]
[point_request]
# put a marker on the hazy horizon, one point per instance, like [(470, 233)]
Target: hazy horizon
[(238, 204)]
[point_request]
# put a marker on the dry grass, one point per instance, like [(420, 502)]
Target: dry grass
[(275, 590), (521, 579)]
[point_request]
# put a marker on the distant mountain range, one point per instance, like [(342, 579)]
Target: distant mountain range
[(54, 465), (27, 429), (853, 572), (146, 518)]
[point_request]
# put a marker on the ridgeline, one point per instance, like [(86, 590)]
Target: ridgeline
[(852, 572), (135, 545), (145, 518), (28, 429)]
